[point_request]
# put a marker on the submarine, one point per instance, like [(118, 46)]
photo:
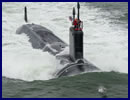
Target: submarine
[(40, 37)]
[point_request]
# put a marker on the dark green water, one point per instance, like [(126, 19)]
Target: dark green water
[(80, 86)]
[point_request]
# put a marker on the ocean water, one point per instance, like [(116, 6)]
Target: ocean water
[(27, 72)]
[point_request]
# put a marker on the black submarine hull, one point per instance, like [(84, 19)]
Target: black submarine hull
[(42, 38)]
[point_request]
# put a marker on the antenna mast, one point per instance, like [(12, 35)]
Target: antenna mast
[(25, 14)]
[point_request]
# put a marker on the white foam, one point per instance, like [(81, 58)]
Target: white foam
[(106, 43), (24, 62)]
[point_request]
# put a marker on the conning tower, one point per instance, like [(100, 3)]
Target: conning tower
[(76, 36)]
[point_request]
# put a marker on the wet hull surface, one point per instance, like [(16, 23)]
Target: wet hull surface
[(42, 38)]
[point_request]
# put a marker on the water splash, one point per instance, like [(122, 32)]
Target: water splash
[(105, 43)]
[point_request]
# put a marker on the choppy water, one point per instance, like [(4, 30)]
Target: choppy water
[(80, 86), (105, 45)]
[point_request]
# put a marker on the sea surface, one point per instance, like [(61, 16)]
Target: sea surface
[(29, 72)]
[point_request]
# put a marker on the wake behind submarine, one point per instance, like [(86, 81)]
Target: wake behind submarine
[(42, 38)]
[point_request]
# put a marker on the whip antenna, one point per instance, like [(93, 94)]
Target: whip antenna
[(25, 14), (74, 13), (78, 7)]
